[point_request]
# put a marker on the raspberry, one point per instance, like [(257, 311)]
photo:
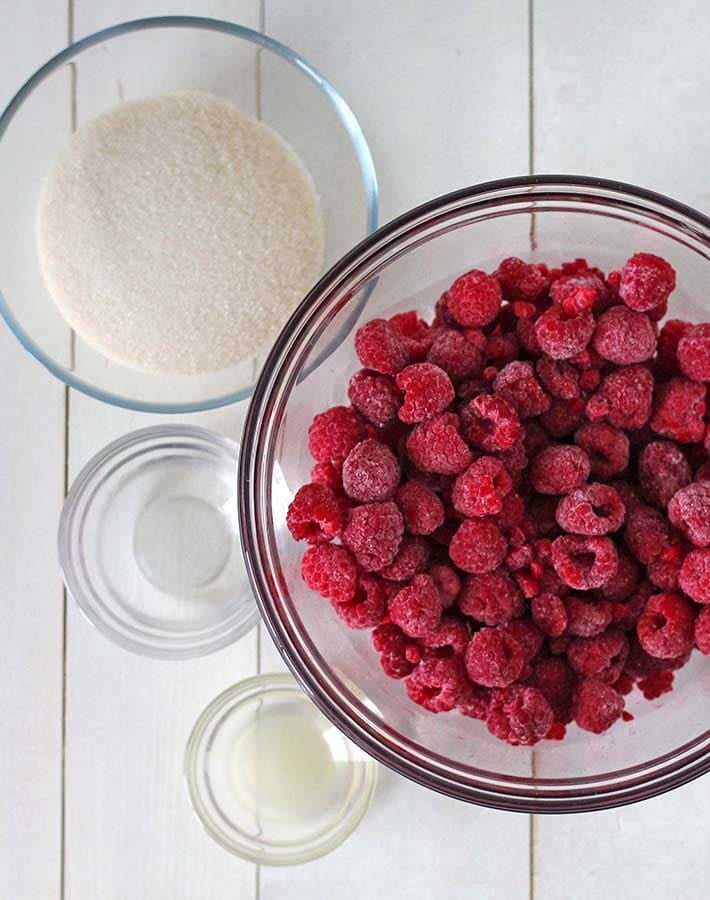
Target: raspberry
[(527, 336), (393, 645), (436, 446), (559, 377), (475, 702), (330, 571), (606, 446), (596, 706), (415, 331), (328, 474), (515, 460), (456, 355), (656, 684), (447, 583), (625, 615), (334, 433), (437, 684), (602, 656), (702, 631), (478, 546), (474, 299), (375, 397), (679, 410), (549, 614), (442, 316), (563, 417), (624, 398), (689, 510), (578, 291), (591, 509), (379, 347), (562, 335), (694, 353), (314, 514), (427, 391), (450, 638), (492, 598), (624, 337), (665, 628), (668, 339), (662, 470), (694, 577), (646, 533), (371, 472), (422, 510), (519, 715), (527, 635), (373, 534), (490, 423), (665, 569), (411, 559), (417, 608), (556, 681), (646, 282), (501, 349), (587, 619), (640, 664), (584, 562), (559, 469), (517, 385), (368, 606), (624, 581), (520, 280), (493, 658), (480, 490)]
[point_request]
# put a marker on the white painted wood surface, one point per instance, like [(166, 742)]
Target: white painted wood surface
[(443, 93)]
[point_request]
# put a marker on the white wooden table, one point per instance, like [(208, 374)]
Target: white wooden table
[(92, 805)]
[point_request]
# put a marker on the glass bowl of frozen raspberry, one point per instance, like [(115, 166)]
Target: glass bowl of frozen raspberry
[(477, 529)]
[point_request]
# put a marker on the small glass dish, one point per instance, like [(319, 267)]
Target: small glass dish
[(270, 778), (144, 58), (149, 543)]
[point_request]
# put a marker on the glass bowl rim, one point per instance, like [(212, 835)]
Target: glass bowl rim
[(201, 23), (510, 793)]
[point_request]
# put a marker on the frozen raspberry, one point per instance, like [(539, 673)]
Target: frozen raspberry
[(602, 656), (417, 608), (334, 433), (449, 638), (371, 472), (437, 684), (422, 510), (314, 514), (656, 684), (411, 559), (368, 606), (624, 337), (562, 335), (668, 339), (556, 680), (591, 509), (694, 353), (579, 291), (662, 470), (624, 398), (665, 569), (646, 533), (559, 377), (515, 460), (520, 280), (646, 282), (527, 635), (689, 510), (447, 583), (584, 563), (587, 619), (415, 331), (527, 336), (563, 417), (427, 391), (596, 706), (679, 410), (694, 577), (625, 614), (490, 423), (702, 631), (480, 490), (501, 348), (475, 702), (519, 715), (437, 446), (492, 598), (330, 571), (641, 664), (665, 628), (478, 546), (517, 385), (624, 581), (549, 614), (394, 648), (474, 299), (606, 446), (559, 469), (375, 397), (380, 348), (373, 534), (493, 658), (454, 353), (330, 475)]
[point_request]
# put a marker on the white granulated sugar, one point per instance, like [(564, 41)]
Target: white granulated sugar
[(176, 233)]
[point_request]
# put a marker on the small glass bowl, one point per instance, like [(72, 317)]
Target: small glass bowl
[(270, 778), (145, 58), (149, 543)]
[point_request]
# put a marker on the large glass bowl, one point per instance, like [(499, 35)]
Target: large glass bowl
[(140, 59), (404, 265)]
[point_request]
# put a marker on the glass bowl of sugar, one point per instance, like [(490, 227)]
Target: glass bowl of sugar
[(172, 189)]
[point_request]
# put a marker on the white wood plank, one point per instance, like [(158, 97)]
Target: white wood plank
[(31, 490), (613, 98)]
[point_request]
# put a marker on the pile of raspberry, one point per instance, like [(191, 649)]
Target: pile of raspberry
[(517, 498)]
